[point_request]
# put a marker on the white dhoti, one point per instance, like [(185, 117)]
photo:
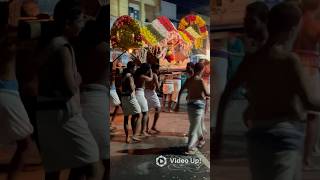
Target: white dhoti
[(115, 100), (176, 89), (142, 100), (94, 103), (65, 139), (130, 105), (152, 99), (14, 121), (168, 87)]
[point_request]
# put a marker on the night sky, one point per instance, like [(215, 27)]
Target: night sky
[(184, 7)]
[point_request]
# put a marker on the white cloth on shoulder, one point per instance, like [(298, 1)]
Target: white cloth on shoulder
[(15, 124)]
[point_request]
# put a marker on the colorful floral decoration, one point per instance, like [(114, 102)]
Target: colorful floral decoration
[(125, 34), (190, 20), (148, 37), (170, 56), (166, 23), (197, 37), (160, 28), (156, 34), (185, 38), (194, 28)]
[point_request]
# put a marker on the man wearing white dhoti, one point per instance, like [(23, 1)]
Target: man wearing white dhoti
[(65, 138), (142, 75), (93, 67), (152, 98), (130, 105)]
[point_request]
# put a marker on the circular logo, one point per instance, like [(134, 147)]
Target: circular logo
[(161, 161)]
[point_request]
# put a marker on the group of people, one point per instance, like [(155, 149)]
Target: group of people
[(138, 94), (280, 74), (64, 94)]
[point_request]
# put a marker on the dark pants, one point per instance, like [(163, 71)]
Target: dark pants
[(275, 153)]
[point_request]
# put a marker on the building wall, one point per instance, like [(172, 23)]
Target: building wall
[(121, 7)]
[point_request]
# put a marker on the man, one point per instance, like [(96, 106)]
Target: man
[(274, 79), (152, 97), (130, 105), (142, 75), (197, 92)]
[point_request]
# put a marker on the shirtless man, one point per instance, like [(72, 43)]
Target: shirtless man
[(130, 105), (306, 46), (142, 75), (197, 92), (152, 97), (274, 79)]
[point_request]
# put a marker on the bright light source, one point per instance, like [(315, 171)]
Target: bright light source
[(130, 51)]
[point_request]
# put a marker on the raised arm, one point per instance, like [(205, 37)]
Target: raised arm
[(180, 92), (156, 80), (148, 78)]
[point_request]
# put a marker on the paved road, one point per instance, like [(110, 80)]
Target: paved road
[(138, 161)]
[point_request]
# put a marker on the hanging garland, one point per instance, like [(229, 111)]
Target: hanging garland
[(125, 34)]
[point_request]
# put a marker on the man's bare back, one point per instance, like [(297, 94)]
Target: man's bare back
[(196, 88), (152, 85), (274, 82), (128, 86), (141, 80)]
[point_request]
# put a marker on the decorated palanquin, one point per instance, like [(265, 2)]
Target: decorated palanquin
[(160, 42)]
